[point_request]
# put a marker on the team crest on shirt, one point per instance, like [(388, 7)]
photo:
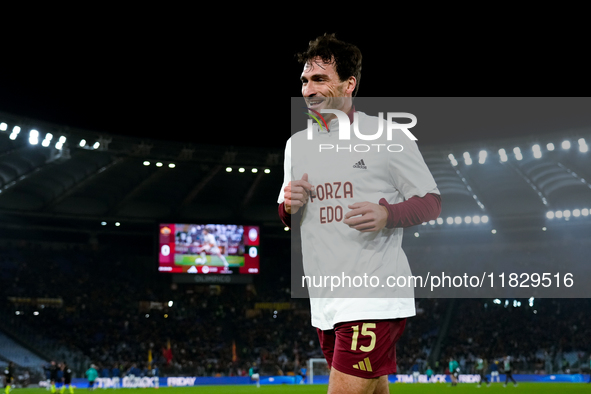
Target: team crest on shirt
[(360, 164)]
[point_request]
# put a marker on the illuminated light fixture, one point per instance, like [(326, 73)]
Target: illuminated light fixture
[(82, 143), (416, 235), (158, 164), (482, 156), (484, 219), (450, 220), (424, 224), (3, 126), (576, 213), (517, 153), (36, 313), (117, 224), (96, 145), (585, 212), (47, 140), (254, 170), (170, 303), (583, 147), (566, 144), (558, 214), (537, 151), (285, 228), (503, 155), (33, 137), (468, 220), (566, 214), (458, 220), (241, 169), (550, 215), (103, 223), (493, 231), (16, 129), (45, 143), (171, 165), (432, 222), (476, 219), (59, 145), (453, 160), (267, 170), (467, 159), (439, 220), (544, 229), (62, 139), (228, 169), (146, 163), (550, 147)]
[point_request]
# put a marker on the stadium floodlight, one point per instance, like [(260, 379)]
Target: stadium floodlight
[(416, 235), (267, 170), (3, 126), (550, 215), (36, 313), (82, 143), (565, 144), (576, 213), (254, 170), (171, 165), (146, 163), (493, 231), (467, 158), (117, 224), (147, 315), (566, 213), (33, 137), (16, 129), (452, 159), (503, 155), (476, 219), (537, 151), (424, 224), (432, 222), (482, 156), (170, 303), (96, 145), (458, 220), (468, 219), (544, 229), (585, 212), (550, 147), (497, 301), (103, 223), (439, 220), (517, 153), (228, 169), (558, 214), (59, 145), (62, 139), (285, 228), (450, 220), (484, 219), (45, 143), (241, 169), (531, 301), (159, 164), (583, 148)]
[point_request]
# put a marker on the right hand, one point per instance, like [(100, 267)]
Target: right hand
[(296, 194)]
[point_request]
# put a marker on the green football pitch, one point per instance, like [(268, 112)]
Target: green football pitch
[(538, 388), (212, 260)]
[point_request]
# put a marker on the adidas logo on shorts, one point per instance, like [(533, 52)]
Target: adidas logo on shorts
[(360, 164)]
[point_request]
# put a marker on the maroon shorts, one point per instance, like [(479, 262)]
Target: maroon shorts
[(366, 349)]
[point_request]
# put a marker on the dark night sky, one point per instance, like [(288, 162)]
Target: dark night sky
[(145, 84)]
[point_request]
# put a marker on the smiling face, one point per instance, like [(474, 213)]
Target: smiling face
[(323, 89)]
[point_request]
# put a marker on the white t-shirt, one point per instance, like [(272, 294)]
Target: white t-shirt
[(342, 177)]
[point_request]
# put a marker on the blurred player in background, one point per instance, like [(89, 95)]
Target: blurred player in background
[(253, 372), (481, 368), (415, 372), (508, 371), (494, 372), (330, 80), (52, 376), (429, 373), (67, 378), (454, 371), (8, 377), (91, 375)]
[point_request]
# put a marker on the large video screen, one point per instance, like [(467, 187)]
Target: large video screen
[(208, 249)]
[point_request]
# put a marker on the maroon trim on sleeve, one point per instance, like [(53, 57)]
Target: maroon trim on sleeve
[(285, 217), (415, 210)]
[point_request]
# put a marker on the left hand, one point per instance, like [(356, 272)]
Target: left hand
[(373, 217)]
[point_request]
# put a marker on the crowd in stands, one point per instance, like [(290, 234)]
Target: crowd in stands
[(116, 311)]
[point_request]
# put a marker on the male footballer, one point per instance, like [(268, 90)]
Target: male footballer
[(352, 209)]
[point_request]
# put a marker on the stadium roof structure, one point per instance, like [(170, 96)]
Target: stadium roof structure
[(129, 179)]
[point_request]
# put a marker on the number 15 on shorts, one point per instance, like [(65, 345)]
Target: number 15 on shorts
[(365, 327)]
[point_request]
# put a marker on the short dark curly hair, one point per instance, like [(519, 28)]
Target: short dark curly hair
[(346, 57)]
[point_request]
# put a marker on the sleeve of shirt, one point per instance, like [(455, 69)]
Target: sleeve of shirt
[(412, 178), (283, 215)]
